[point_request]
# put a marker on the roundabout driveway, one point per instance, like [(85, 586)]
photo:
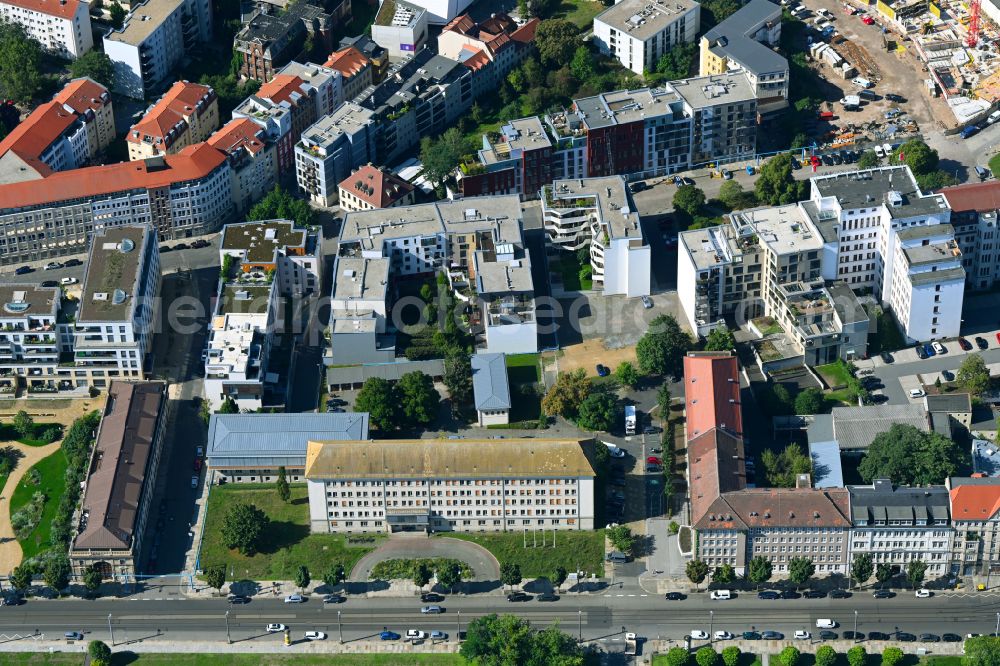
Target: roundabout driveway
[(484, 565)]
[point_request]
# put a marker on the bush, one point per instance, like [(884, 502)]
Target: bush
[(891, 656), (403, 569), (677, 656), (789, 656), (706, 656), (731, 656)]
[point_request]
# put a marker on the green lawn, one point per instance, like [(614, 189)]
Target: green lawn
[(834, 374), (569, 267), (583, 550), (8, 434), (524, 368), (994, 164), (580, 12), (230, 659), (53, 483), (287, 542)]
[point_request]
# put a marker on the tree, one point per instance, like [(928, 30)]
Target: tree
[(441, 156), (621, 538), (891, 656), (677, 62), (781, 469), (909, 456), (935, 180), (720, 338), (809, 401), (556, 41), (21, 577), (284, 492), (706, 656), (598, 411), (868, 160), (857, 656), (334, 575), (279, 204), (973, 375), (789, 656), (508, 640), (800, 570), (91, 580), (921, 158), (732, 194), (302, 578), (982, 651), (421, 574), (720, 9), (243, 526), (567, 394), (883, 573), (582, 64), (826, 656), (449, 575), (689, 199), (678, 656), (380, 399), (57, 573), (24, 424), (731, 656), (228, 406), (776, 185), (20, 63), (117, 15), (862, 568), (664, 400), (724, 574), (627, 375), (420, 400), (216, 576), (458, 379), (915, 570), (696, 571), (759, 570), (95, 65), (662, 347), (558, 576), (510, 574), (100, 653)]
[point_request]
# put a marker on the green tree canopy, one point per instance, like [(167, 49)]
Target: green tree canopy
[(776, 184), (100, 653), (117, 15), (215, 576), (21, 577), (23, 424), (510, 573), (908, 456), (891, 656), (627, 375), (720, 338), (621, 538), (982, 651), (57, 573), (731, 656), (789, 656), (243, 526), (706, 656), (973, 375), (661, 349), (921, 158), (284, 491), (582, 64), (857, 656), (458, 379), (759, 570), (862, 568), (677, 62), (598, 411), (441, 156), (724, 574), (228, 406), (826, 656), (696, 571), (558, 576), (449, 575), (664, 400), (20, 63), (508, 640), (719, 10), (557, 41), (732, 195), (883, 573), (868, 160), (915, 570), (567, 394), (678, 656), (95, 65), (380, 399), (809, 401), (781, 469), (800, 570), (689, 199), (279, 204), (333, 575), (302, 577), (419, 399), (92, 580)]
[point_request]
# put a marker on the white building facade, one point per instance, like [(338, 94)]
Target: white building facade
[(60, 27), (639, 33)]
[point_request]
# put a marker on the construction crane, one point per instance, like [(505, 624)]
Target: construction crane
[(973, 38)]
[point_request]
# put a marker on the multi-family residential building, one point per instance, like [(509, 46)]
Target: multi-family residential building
[(284, 106), (61, 27), (375, 53), (293, 255), (400, 27), (600, 213), (516, 160), (253, 161), (449, 485), (266, 43), (330, 149), (66, 133), (30, 340), (490, 49), (250, 448), (358, 311), (180, 195), (329, 84), (120, 483), (440, 12), (974, 209), (975, 518), (373, 187), (187, 113), (637, 33), (114, 322), (355, 69), (746, 41), (898, 524), (478, 241), (154, 39), (491, 389)]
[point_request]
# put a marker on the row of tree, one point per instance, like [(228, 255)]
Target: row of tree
[(801, 570)]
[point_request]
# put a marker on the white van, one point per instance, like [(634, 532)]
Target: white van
[(993, 117), (720, 595), (825, 624)]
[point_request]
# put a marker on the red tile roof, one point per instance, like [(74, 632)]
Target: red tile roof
[(180, 102), (377, 187), (715, 466), (477, 61), (239, 133), (348, 61), (778, 507), (461, 24), (975, 502), (65, 9), (37, 132), (980, 197), (191, 163), (280, 88), (82, 94), (712, 394), (526, 33)]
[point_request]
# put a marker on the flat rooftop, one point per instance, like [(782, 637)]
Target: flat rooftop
[(245, 438), (398, 14), (642, 19), (243, 299), (261, 240), (871, 188), (28, 300), (718, 89), (948, 275), (609, 195), (503, 213), (144, 20), (360, 278), (520, 135), (783, 229), (497, 277), (710, 247), (348, 118), (625, 106), (933, 253), (112, 277)]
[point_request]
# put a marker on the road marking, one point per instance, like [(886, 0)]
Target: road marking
[(631, 595)]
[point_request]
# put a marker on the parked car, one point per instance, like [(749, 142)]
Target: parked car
[(939, 348), (23, 270), (883, 594), (768, 594), (194, 481), (389, 636), (275, 627), (720, 595), (854, 635), (653, 460), (653, 469), (518, 596), (723, 635), (675, 596), (921, 351), (53, 266), (73, 636), (647, 302), (893, 97), (930, 638), (50, 283), (790, 594), (431, 610), (981, 342), (699, 635), (295, 599), (828, 635), (547, 596), (431, 597), (923, 593), (951, 638), (751, 636), (602, 370), (637, 186), (815, 594), (314, 636), (930, 350), (838, 593), (772, 635), (905, 637), (964, 344), (181, 246), (917, 393), (238, 600), (802, 635), (877, 636), (197, 464), (68, 280), (201, 242), (439, 635), (415, 635), (650, 430), (887, 357), (334, 599), (678, 181), (165, 248)]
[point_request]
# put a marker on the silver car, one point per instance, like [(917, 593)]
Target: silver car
[(431, 610), (647, 302)]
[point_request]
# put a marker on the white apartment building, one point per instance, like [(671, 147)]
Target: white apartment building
[(113, 326), (449, 485), (328, 82), (29, 338), (599, 213), (975, 516), (638, 33), (331, 148), (252, 159), (61, 27), (440, 12), (294, 256), (400, 28)]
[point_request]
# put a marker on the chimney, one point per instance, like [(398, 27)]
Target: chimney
[(802, 481)]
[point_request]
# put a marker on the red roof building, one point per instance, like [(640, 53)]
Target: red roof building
[(252, 157), (356, 69), (188, 113), (975, 517), (371, 187)]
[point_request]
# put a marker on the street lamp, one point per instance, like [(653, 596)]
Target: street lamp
[(340, 628), (112, 631), (459, 634), (856, 626), (711, 626), (998, 624), (229, 639), (579, 615)]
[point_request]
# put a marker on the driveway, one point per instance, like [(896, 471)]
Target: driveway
[(484, 565)]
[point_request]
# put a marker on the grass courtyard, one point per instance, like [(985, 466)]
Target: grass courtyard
[(583, 550), (52, 473), (287, 542), (834, 374)]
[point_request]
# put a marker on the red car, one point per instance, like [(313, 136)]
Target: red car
[(964, 344), (653, 460), (867, 20), (998, 337), (197, 464)]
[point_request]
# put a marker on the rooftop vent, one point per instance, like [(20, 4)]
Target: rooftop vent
[(100, 296), (118, 297), (126, 246), (17, 307)]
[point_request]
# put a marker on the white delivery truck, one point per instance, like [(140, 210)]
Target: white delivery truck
[(630, 419)]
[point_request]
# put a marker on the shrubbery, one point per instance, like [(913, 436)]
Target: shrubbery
[(403, 569)]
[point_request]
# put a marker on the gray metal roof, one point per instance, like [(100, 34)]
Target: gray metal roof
[(953, 403), (869, 189), (883, 501), (748, 52), (854, 428), (489, 382), (827, 469), (357, 374), (260, 435)]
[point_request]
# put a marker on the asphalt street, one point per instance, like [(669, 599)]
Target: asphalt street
[(598, 615)]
